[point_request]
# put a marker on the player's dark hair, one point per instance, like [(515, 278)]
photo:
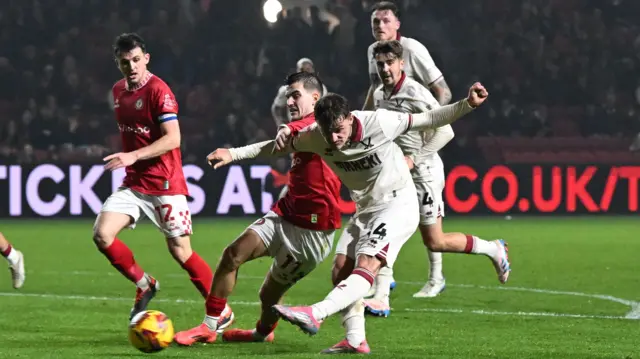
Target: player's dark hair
[(386, 5), (310, 81), (127, 42), (330, 108), (388, 47)]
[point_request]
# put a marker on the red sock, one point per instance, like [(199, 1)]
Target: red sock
[(7, 251), (200, 273), (122, 259), (215, 306), (265, 330), (469, 247)]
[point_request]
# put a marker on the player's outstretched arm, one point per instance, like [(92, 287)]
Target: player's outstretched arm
[(170, 140), (224, 156), (446, 115)]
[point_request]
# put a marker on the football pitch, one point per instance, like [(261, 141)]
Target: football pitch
[(571, 294)]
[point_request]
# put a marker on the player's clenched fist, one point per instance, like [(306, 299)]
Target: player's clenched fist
[(282, 138), (477, 94), (219, 158)]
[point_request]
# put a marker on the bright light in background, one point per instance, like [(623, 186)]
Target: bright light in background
[(271, 9)]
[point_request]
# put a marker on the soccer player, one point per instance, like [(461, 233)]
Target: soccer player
[(154, 185), (419, 66), (298, 232), (16, 262), (359, 147), (280, 109), (400, 93)]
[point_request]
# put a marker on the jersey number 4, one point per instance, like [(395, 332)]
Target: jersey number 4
[(427, 200)]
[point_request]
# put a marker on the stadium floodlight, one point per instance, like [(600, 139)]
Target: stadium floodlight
[(271, 9)]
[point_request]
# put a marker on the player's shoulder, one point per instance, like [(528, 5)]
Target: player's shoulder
[(119, 86), (412, 86), (156, 83), (409, 43), (379, 91)]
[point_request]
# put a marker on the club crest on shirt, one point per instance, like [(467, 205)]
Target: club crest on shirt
[(139, 104)]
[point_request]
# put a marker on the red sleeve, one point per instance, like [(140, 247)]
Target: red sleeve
[(164, 104), (297, 126)]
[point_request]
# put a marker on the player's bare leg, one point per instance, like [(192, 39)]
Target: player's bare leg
[(199, 271), (346, 297), (271, 293), (16, 262), (107, 227), (438, 241), (245, 248)]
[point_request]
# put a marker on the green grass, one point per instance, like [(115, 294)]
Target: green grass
[(591, 255)]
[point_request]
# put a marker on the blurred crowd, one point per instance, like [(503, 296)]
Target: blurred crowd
[(553, 67)]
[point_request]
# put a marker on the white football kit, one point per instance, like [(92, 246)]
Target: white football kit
[(373, 168), (422, 147)]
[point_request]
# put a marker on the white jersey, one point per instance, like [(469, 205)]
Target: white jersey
[(418, 63), (279, 108), (371, 165), (411, 97)]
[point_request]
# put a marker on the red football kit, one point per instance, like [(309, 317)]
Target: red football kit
[(139, 112), (314, 190)]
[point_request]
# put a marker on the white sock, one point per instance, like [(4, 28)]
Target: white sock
[(211, 322), (143, 283), (383, 284), (435, 265), (480, 246), (344, 294), (353, 323), (13, 257)]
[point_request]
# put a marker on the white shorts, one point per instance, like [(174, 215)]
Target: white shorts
[(429, 185), (381, 233), (296, 251), (169, 213)]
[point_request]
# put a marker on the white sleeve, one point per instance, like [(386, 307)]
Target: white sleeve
[(442, 136), (260, 149), (440, 116), (425, 69), (393, 124)]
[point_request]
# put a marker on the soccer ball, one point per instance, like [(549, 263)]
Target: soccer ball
[(150, 331)]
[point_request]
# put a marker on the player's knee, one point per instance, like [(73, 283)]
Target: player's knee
[(370, 263), (433, 237), (180, 248), (103, 237)]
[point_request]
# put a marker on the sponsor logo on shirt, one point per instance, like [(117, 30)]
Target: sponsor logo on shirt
[(127, 128)]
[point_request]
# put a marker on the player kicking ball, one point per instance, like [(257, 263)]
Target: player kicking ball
[(297, 233), (154, 185), (403, 94), (16, 262), (359, 147)]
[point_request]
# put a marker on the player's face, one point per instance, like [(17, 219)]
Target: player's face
[(389, 68), (300, 101), (384, 25), (133, 65), (337, 135)]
